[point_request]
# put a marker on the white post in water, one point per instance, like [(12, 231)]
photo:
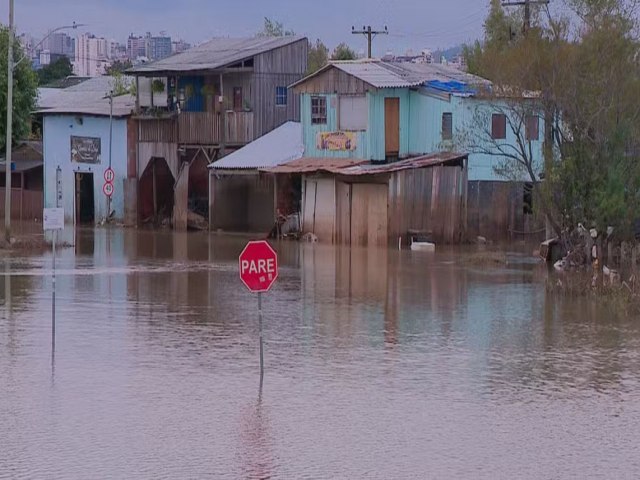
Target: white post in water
[(53, 219)]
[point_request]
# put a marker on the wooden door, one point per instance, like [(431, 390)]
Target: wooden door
[(392, 126)]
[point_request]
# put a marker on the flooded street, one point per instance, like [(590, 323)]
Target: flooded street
[(379, 364)]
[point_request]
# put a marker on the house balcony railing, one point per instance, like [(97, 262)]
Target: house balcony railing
[(197, 128)]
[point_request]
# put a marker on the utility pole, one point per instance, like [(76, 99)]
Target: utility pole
[(7, 163), (527, 10), (11, 66), (370, 34)]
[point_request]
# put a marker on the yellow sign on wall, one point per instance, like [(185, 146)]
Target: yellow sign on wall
[(336, 141)]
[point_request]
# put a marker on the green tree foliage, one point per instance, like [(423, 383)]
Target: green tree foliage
[(25, 85), (584, 75), (57, 70), (343, 52), (118, 66), (273, 28), (318, 56)]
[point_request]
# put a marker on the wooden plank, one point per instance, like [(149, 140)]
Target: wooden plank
[(343, 213)]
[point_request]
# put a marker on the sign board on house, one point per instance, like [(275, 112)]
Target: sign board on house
[(85, 149), (258, 266), (336, 141), (53, 218)]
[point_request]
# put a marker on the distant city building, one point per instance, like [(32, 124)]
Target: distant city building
[(60, 44), (92, 55), (28, 43), (118, 51), (425, 56), (157, 48), (151, 47), (179, 46), (459, 62), (45, 57), (136, 47)]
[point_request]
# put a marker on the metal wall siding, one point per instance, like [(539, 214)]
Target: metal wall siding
[(311, 131), (376, 132), (426, 122), (430, 199), (481, 166)]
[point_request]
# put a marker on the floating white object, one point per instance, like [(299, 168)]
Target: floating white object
[(423, 246)]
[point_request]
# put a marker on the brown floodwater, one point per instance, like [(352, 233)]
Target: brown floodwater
[(379, 364)]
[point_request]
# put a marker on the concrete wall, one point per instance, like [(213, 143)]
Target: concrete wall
[(57, 133)]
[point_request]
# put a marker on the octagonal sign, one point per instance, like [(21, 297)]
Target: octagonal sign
[(258, 266)]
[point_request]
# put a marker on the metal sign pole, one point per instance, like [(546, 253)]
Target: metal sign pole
[(261, 347), (53, 297)]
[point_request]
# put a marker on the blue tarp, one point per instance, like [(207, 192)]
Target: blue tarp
[(452, 87)]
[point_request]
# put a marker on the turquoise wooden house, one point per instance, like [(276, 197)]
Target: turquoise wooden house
[(383, 112)]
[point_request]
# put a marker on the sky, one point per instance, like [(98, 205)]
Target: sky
[(415, 24)]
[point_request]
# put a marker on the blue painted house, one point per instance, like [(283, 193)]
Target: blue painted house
[(383, 112), (82, 137)]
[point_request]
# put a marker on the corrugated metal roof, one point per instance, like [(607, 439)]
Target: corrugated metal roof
[(216, 53), (315, 164), (357, 167), (423, 161), (279, 146), (381, 74), (87, 98), (439, 72)]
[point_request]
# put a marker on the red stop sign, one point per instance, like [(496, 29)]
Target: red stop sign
[(258, 266)]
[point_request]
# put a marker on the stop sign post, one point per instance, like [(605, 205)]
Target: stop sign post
[(258, 264)]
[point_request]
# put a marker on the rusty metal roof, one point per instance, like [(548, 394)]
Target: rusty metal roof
[(423, 161), (315, 164), (356, 167)]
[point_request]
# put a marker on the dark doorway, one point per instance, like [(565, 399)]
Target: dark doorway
[(155, 191), (85, 208)]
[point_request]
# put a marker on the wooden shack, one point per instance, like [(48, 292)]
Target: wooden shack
[(354, 202)]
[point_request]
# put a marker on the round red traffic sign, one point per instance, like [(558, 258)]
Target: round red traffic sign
[(109, 175), (107, 189), (258, 266)]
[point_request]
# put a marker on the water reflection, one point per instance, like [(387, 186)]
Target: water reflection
[(378, 364)]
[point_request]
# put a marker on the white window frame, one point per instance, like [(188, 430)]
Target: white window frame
[(353, 124)]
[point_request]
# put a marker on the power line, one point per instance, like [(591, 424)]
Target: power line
[(370, 34)]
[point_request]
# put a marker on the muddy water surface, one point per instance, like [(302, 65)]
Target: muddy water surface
[(379, 365)]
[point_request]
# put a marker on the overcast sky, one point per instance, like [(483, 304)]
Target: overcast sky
[(412, 23)]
